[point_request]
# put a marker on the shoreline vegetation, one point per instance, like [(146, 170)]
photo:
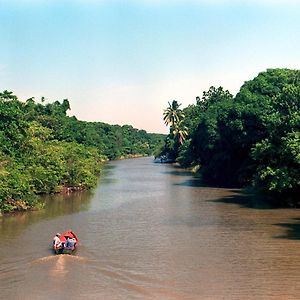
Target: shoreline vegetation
[(44, 151), (251, 140)]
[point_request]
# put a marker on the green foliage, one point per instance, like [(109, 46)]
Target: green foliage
[(173, 114), (278, 154), (15, 187), (82, 165), (42, 150), (278, 169), (252, 138), (174, 117), (12, 126)]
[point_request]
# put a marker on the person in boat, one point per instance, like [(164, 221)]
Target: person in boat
[(70, 244), (57, 242)]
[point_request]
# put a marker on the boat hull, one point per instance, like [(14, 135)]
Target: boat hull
[(64, 251), (63, 238)]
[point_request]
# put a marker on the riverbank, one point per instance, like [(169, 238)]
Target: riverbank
[(152, 231), (12, 206), (251, 138), (43, 149), (262, 198), (130, 156)]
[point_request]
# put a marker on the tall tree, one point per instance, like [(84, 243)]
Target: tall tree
[(173, 115), (180, 131)]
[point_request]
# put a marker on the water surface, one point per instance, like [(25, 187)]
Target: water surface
[(152, 231)]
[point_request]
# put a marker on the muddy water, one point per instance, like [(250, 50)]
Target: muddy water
[(152, 231)]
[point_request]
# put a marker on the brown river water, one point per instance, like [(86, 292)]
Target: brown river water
[(153, 231)]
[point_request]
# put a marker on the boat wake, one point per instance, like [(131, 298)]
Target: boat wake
[(58, 266), (59, 257)]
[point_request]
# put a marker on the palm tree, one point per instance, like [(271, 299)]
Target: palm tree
[(181, 131), (173, 114), (174, 117)]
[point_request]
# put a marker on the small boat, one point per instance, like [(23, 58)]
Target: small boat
[(67, 247)]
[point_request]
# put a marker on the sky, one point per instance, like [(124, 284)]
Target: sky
[(120, 62)]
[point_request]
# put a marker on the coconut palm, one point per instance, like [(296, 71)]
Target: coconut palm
[(173, 115), (181, 131)]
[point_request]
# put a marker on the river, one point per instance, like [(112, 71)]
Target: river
[(152, 231)]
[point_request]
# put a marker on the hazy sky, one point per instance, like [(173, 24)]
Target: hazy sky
[(122, 61)]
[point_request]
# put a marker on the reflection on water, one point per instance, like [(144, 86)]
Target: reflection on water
[(245, 199), (55, 205), (152, 231), (292, 229), (62, 204)]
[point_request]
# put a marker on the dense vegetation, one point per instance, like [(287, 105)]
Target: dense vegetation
[(42, 150), (250, 139)]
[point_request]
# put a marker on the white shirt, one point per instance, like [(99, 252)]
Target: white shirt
[(56, 242)]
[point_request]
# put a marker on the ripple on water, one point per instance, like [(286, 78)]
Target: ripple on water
[(153, 232)]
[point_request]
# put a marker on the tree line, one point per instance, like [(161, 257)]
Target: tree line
[(251, 139), (42, 150)]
